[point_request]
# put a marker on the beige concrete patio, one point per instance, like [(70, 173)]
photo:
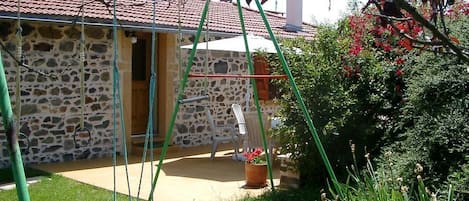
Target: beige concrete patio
[(187, 174)]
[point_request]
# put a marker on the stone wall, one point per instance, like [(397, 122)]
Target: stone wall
[(51, 107), (192, 127)]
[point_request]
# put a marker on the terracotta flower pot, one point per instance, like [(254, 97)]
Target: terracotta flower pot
[(256, 175)]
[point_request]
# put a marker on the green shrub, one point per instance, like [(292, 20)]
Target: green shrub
[(420, 114), (432, 128), (460, 179), (380, 186), (345, 103)]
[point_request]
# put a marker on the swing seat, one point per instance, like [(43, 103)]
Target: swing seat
[(218, 137), (81, 134)]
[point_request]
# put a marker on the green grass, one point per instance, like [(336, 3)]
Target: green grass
[(56, 187)]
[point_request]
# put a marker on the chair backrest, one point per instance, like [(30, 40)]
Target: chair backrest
[(211, 121), (254, 130), (240, 118)]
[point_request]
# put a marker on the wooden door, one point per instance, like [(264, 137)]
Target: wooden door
[(140, 83)]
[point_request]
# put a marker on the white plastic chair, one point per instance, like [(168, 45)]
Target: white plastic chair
[(238, 112), (250, 129), (217, 135)]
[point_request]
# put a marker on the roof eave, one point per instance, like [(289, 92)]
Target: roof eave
[(107, 23)]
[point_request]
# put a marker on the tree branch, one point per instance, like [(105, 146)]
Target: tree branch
[(414, 40), (425, 23), (423, 48), (390, 17)]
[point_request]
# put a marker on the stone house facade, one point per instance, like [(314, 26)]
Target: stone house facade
[(192, 126), (51, 107)]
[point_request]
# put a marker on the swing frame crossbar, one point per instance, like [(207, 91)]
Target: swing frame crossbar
[(196, 75)]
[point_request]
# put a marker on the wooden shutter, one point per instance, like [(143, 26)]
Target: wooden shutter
[(261, 67)]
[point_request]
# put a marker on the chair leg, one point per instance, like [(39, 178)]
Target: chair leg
[(214, 149), (236, 148)]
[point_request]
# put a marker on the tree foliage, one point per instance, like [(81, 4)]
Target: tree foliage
[(393, 87)]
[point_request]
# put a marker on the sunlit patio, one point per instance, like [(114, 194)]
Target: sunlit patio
[(187, 174)]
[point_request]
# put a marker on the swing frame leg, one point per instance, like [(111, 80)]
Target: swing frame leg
[(12, 138)]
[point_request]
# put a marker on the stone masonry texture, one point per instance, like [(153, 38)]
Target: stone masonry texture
[(51, 108), (192, 126)]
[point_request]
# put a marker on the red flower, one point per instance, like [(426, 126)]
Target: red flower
[(254, 156), (387, 47), (351, 21), (402, 27), (378, 31), (400, 61), (258, 151), (399, 72), (407, 44), (348, 71), (355, 50), (416, 30), (391, 29)]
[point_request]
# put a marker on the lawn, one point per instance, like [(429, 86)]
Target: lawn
[(55, 187)]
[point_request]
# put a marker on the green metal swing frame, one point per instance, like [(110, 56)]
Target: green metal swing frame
[(292, 82), (15, 155)]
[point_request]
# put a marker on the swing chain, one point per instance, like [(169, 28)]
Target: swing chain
[(80, 130), (82, 67), (19, 48)]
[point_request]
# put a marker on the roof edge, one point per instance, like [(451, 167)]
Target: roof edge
[(105, 23)]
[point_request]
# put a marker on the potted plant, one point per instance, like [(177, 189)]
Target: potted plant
[(255, 169)]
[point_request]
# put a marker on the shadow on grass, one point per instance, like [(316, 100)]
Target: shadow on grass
[(302, 194), (6, 174)]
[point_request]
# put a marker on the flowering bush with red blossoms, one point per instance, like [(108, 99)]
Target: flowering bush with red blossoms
[(378, 84), (395, 37), (254, 157), (383, 25)]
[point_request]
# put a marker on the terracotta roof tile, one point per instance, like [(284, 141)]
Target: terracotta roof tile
[(223, 16)]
